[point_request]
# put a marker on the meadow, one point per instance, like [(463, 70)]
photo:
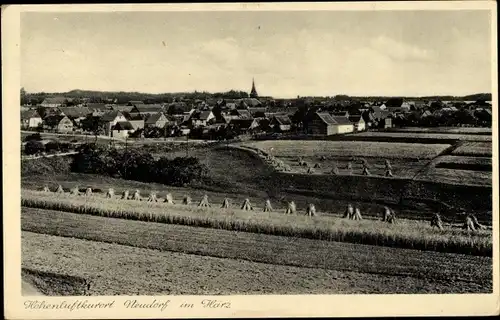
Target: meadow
[(454, 130), (362, 265), (404, 234)]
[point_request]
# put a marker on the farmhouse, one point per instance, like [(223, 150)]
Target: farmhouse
[(136, 120), (30, 119), (244, 125), (122, 129), (54, 102), (158, 120), (109, 119), (358, 122), (282, 122), (60, 123), (323, 123), (202, 118), (76, 114), (146, 109)]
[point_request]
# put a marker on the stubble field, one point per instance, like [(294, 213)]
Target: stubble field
[(164, 255)]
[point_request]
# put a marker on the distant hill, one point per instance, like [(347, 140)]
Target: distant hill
[(123, 97)]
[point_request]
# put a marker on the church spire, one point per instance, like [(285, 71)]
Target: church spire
[(253, 93)]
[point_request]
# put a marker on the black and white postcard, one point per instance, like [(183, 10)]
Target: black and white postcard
[(250, 160)]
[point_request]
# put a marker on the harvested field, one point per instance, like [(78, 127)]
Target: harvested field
[(441, 272), (121, 270), (456, 176), (464, 163), (455, 130), (405, 234), (474, 149), (412, 135), (316, 148)]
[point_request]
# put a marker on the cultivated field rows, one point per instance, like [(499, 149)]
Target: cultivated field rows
[(437, 136), (405, 233), (435, 270), (459, 130), (122, 270), (317, 148), (475, 149)]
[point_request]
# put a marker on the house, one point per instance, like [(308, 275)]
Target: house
[(158, 120), (98, 108), (122, 129), (241, 114), (59, 123), (323, 123), (121, 107), (136, 120), (146, 109), (54, 102), (388, 122), (244, 125), (282, 122), (426, 113), (76, 114), (30, 119), (358, 122), (135, 102), (341, 114), (109, 119), (201, 118), (256, 111)]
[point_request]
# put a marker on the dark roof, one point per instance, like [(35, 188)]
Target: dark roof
[(152, 119), (326, 117), (242, 114), (134, 102), (254, 110), (283, 119), (97, 106), (355, 118), (55, 100), (75, 112), (53, 120), (340, 113), (132, 116), (341, 120), (201, 115), (242, 123), (28, 114), (110, 116), (123, 125), (149, 107), (251, 102)]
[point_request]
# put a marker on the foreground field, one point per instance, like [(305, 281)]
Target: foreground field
[(368, 269), (405, 234), (457, 130)]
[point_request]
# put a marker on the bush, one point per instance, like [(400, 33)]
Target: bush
[(33, 137), (136, 165), (33, 147)]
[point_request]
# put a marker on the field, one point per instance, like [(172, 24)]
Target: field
[(474, 149), (294, 149), (404, 234), (457, 130), (418, 135), (235, 262)]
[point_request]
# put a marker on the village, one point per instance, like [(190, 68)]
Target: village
[(224, 118)]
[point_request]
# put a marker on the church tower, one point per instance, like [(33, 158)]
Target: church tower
[(253, 93)]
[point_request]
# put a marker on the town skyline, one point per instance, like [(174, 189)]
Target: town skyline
[(288, 53)]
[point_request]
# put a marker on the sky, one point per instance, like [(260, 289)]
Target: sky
[(306, 53)]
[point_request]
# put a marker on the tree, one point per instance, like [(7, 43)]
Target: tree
[(33, 147)]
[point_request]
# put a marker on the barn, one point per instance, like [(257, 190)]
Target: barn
[(323, 123)]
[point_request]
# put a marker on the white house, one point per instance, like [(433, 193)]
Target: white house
[(110, 119), (122, 129), (358, 122), (30, 119)]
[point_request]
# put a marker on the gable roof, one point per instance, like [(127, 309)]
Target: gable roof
[(28, 114), (54, 100), (356, 118), (123, 125), (153, 118), (342, 120), (148, 108), (132, 116), (135, 102), (282, 120), (333, 120), (75, 112), (243, 114), (97, 106), (110, 116)]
